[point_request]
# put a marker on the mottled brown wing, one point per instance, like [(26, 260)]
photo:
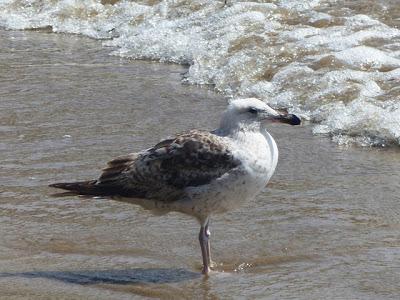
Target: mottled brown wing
[(162, 172)]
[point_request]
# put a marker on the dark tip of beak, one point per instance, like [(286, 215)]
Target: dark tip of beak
[(293, 119), (289, 119)]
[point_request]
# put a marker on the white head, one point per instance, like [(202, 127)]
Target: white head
[(251, 114)]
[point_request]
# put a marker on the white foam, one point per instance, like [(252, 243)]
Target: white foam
[(346, 122), (328, 65), (363, 57)]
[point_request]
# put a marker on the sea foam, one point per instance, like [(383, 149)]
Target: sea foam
[(331, 64)]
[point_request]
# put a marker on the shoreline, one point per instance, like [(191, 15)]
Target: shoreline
[(342, 140), (278, 52)]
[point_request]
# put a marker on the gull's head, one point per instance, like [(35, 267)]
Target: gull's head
[(252, 114)]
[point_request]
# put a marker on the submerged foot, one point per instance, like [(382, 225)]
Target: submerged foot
[(206, 271), (211, 267)]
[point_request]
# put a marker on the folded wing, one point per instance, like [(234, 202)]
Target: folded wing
[(163, 172)]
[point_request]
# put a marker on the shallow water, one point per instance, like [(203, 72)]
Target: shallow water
[(334, 62), (327, 226)]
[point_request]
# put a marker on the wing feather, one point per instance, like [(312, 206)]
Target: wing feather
[(190, 159)]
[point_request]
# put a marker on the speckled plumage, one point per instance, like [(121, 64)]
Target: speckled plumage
[(198, 173), (163, 172)]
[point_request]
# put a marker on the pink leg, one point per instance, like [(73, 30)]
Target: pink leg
[(208, 233), (205, 246)]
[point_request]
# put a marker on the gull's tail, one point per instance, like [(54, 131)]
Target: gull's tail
[(82, 188)]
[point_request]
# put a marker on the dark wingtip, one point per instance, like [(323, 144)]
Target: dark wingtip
[(60, 185), (81, 187), (72, 186)]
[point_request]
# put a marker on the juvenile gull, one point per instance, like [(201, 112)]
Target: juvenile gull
[(198, 173)]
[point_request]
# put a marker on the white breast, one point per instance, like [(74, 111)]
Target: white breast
[(258, 154)]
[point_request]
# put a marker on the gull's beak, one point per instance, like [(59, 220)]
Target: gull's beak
[(280, 116), (288, 119)]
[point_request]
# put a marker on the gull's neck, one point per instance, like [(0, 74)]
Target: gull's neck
[(238, 131), (254, 137), (255, 148)]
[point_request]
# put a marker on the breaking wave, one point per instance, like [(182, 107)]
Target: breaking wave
[(335, 63)]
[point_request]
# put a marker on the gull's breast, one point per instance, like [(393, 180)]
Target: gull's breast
[(258, 156)]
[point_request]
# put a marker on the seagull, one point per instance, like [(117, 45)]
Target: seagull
[(197, 172)]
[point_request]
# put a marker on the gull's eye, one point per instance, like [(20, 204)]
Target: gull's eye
[(253, 110)]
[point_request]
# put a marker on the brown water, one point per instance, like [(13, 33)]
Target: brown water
[(327, 227)]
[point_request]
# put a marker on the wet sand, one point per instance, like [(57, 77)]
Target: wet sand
[(326, 227)]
